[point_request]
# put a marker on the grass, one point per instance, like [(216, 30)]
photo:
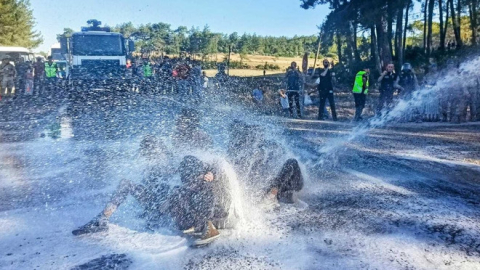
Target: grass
[(245, 72), (255, 60)]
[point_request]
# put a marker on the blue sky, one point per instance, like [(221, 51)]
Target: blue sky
[(264, 17)]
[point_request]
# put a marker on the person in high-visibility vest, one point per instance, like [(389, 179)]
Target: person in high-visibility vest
[(360, 91), (147, 70), (50, 69)]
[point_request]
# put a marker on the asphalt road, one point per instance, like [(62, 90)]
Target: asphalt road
[(404, 196)]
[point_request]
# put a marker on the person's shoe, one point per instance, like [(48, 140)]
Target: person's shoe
[(94, 226), (209, 235)]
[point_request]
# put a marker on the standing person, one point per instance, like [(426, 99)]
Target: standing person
[(388, 83), (204, 80), (51, 72), (325, 89), (29, 81), (360, 91), (147, 69), (39, 74), (8, 74), (257, 94), (21, 68), (294, 82), (408, 81), (182, 74)]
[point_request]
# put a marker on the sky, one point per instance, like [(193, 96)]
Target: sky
[(263, 17)]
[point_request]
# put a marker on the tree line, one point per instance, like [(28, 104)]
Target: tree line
[(160, 37), (17, 23), (378, 32)]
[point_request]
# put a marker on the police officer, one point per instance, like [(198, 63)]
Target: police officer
[(147, 69), (388, 83), (50, 71), (8, 74), (408, 81), (360, 91)]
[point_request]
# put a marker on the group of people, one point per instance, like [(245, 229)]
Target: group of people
[(405, 83), (201, 205), (20, 77), (182, 75)]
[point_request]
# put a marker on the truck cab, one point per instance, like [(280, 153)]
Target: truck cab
[(96, 55)]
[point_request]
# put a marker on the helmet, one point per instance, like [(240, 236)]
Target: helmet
[(406, 67)]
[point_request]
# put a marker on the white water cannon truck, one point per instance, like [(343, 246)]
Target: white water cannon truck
[(97, 57)]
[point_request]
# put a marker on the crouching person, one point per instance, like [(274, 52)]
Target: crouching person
[(194, 206), (288, 181)]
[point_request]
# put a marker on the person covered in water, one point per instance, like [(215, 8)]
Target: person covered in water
[(188, 132), (256, 158), (199, 205)]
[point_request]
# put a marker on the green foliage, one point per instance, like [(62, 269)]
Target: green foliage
[(159, 37), (17, 23), (67, 33)]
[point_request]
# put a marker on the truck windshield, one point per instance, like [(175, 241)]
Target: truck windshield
[(97, 45)]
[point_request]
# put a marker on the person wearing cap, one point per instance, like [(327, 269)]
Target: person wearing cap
[(8, 73)]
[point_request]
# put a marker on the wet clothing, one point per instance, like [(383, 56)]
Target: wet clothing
[(256, 161), (360, 100), (191, 204), (288, 180), (196, 201), (325, 91), (408, 82)]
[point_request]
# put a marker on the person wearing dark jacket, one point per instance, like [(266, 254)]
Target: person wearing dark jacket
[(325, 90), (388, 83), (201, 200), (294, 83), (256, 159)]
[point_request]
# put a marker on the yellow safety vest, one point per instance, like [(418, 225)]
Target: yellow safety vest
[(358, 86), (51, 70)]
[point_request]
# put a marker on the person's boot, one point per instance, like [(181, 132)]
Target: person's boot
[(210, 233), (98, 224)]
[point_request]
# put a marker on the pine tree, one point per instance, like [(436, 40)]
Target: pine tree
[(17, 23)]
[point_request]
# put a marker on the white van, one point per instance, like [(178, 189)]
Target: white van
[(15, 53)]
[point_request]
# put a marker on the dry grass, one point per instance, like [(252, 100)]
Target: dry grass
[(255, 60), (244, 72)]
